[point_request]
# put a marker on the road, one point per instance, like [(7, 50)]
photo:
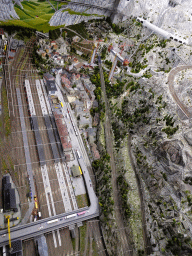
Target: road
[(171, 78), (125, 242), (40, 227)]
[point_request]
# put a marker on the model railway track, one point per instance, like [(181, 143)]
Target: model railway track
[(55, 218), (49, 141), (124, 238), (171, 78)]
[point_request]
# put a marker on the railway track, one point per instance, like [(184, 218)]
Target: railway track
[(171, 78), (14, 79), (124, 238), (22, 69)]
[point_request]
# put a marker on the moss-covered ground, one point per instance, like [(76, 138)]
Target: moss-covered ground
[(82, 200), (82, 237)]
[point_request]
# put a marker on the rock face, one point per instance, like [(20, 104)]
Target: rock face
[(188, 137), (84, 11), (7, 11), (65, 18), (89, 9), (177, 19), (171, 151)]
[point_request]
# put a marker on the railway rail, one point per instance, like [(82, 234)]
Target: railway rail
[(34, 112), (171, 78)]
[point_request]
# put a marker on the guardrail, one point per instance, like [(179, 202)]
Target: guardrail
[(31, 230)]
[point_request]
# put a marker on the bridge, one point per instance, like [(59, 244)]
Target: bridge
[(59, 221), (43, 35)]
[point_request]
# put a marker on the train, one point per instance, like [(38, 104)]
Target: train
[(52, 221), (36, 213), (80, 170), (67, 217), (81, 213), (29, 98), (71, 216), (34, 122), (36, 204), (161, 31)]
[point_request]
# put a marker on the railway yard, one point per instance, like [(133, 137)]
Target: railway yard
[(39, 149)]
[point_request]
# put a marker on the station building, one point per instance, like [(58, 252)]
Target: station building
[(50, 83), (75, 171)]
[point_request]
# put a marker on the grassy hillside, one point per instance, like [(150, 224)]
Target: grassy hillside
[(35, 14)]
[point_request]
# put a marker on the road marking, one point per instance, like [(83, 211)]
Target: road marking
[(54, 239), (59, 237), (63, 188)]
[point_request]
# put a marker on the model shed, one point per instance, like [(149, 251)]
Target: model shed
[(51, 87), (9, 199), (75, 171)]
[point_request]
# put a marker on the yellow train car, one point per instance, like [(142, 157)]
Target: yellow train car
[(61, 104), (36, 204), (80, 170)]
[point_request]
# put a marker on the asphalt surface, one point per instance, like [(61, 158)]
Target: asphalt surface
[(37, 228)]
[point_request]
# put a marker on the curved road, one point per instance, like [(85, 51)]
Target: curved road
[(170, 82)]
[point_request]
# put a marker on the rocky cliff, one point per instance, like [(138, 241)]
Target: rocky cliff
[(7, 11), (75, 13)]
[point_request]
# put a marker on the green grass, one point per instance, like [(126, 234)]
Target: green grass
[(7, 122), (4, 165), (73, 243), (77, 13), (82, 200), (82, 237), (10, 162), (79, 28), (34, 15), (81, 13), (94, 247)]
